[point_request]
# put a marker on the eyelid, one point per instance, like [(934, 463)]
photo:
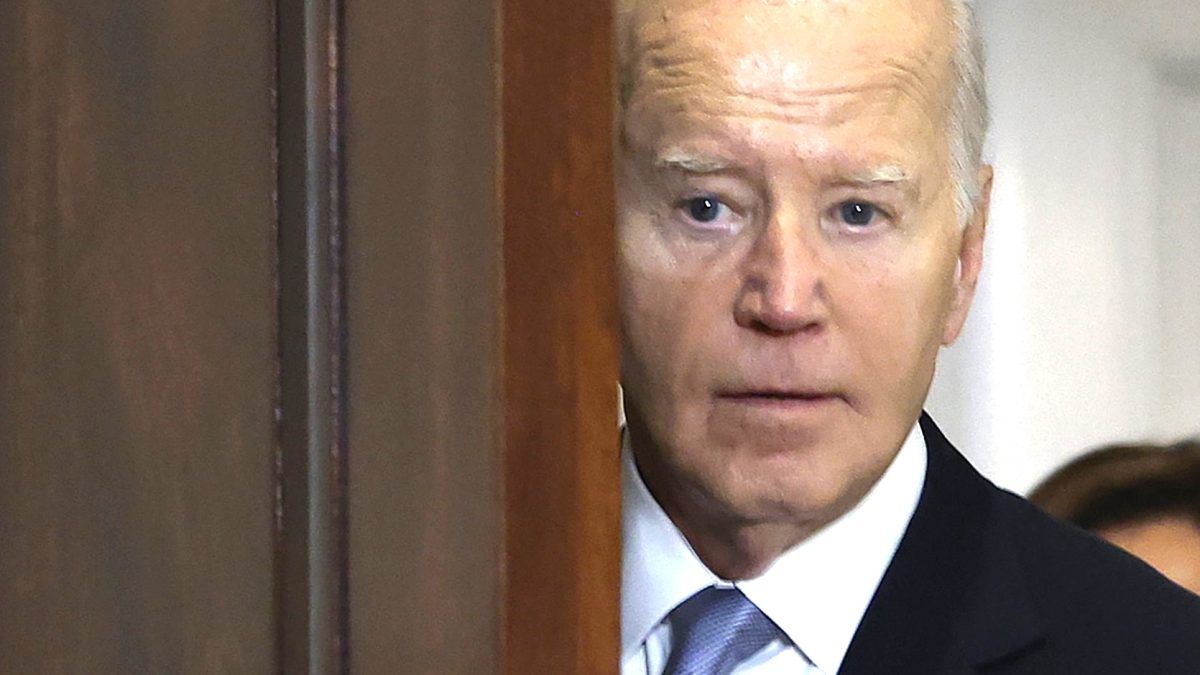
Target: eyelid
[(885, 197), (734, 191)]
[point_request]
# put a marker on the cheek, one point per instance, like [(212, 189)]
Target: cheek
[(657, 319), (895, 318), (668, 315), (650, 306), (658, 281)]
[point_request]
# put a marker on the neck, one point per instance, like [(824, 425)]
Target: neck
[(735, 553), (732, 546)]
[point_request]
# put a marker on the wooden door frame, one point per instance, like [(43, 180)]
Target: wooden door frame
[(550, 317)]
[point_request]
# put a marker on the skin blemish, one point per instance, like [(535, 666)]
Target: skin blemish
[(810, 147), (768, 73)]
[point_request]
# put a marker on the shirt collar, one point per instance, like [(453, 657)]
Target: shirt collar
[(659, 568), (816, 592)]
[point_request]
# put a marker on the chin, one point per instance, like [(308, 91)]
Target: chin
[(765, 484)]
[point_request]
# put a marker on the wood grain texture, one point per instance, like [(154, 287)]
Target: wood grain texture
[(137, 337), (484, 472), (561, 459), (422, 255)]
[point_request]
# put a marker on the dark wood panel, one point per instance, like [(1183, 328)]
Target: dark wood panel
[(423, 277), (137, 337), (561, 460)]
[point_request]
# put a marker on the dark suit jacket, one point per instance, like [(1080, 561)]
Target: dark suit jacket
[(983, 582)]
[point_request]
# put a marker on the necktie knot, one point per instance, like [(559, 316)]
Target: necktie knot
[(715, 630)]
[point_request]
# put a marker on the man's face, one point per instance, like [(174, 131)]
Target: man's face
[(789, 251)]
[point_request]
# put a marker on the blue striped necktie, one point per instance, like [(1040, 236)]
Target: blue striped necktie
[(715, 630)]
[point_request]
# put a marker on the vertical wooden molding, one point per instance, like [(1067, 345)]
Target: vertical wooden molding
[(423, 256), (311, 561), (561, 462), (485, 516)]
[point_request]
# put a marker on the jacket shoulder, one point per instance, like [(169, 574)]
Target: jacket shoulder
[(1097, 599)]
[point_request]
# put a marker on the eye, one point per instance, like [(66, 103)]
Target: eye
[(704, 209), (708, 208), (857, 214), (707, 213)]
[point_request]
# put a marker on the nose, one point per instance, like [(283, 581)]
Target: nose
[(783, 288)]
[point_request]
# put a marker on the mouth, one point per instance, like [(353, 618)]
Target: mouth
[(780, 398)]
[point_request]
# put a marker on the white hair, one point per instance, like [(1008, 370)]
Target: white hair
[(969, 114), (967, 121)]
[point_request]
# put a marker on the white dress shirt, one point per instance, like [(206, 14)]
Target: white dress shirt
[(816, 592)]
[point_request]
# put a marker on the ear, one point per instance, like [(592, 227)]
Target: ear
[(970, 259)]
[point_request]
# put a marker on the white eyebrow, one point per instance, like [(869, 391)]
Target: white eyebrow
[(882, 174), (678, 159)]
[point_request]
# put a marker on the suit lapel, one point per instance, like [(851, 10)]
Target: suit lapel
[(953, 597)]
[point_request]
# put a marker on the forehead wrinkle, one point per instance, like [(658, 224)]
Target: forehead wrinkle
[(825, 104), (679, 83), (933, 96), (901, 75), (671, 55)]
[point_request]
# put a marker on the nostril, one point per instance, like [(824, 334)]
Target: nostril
[(778, 328), (778, 316)]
